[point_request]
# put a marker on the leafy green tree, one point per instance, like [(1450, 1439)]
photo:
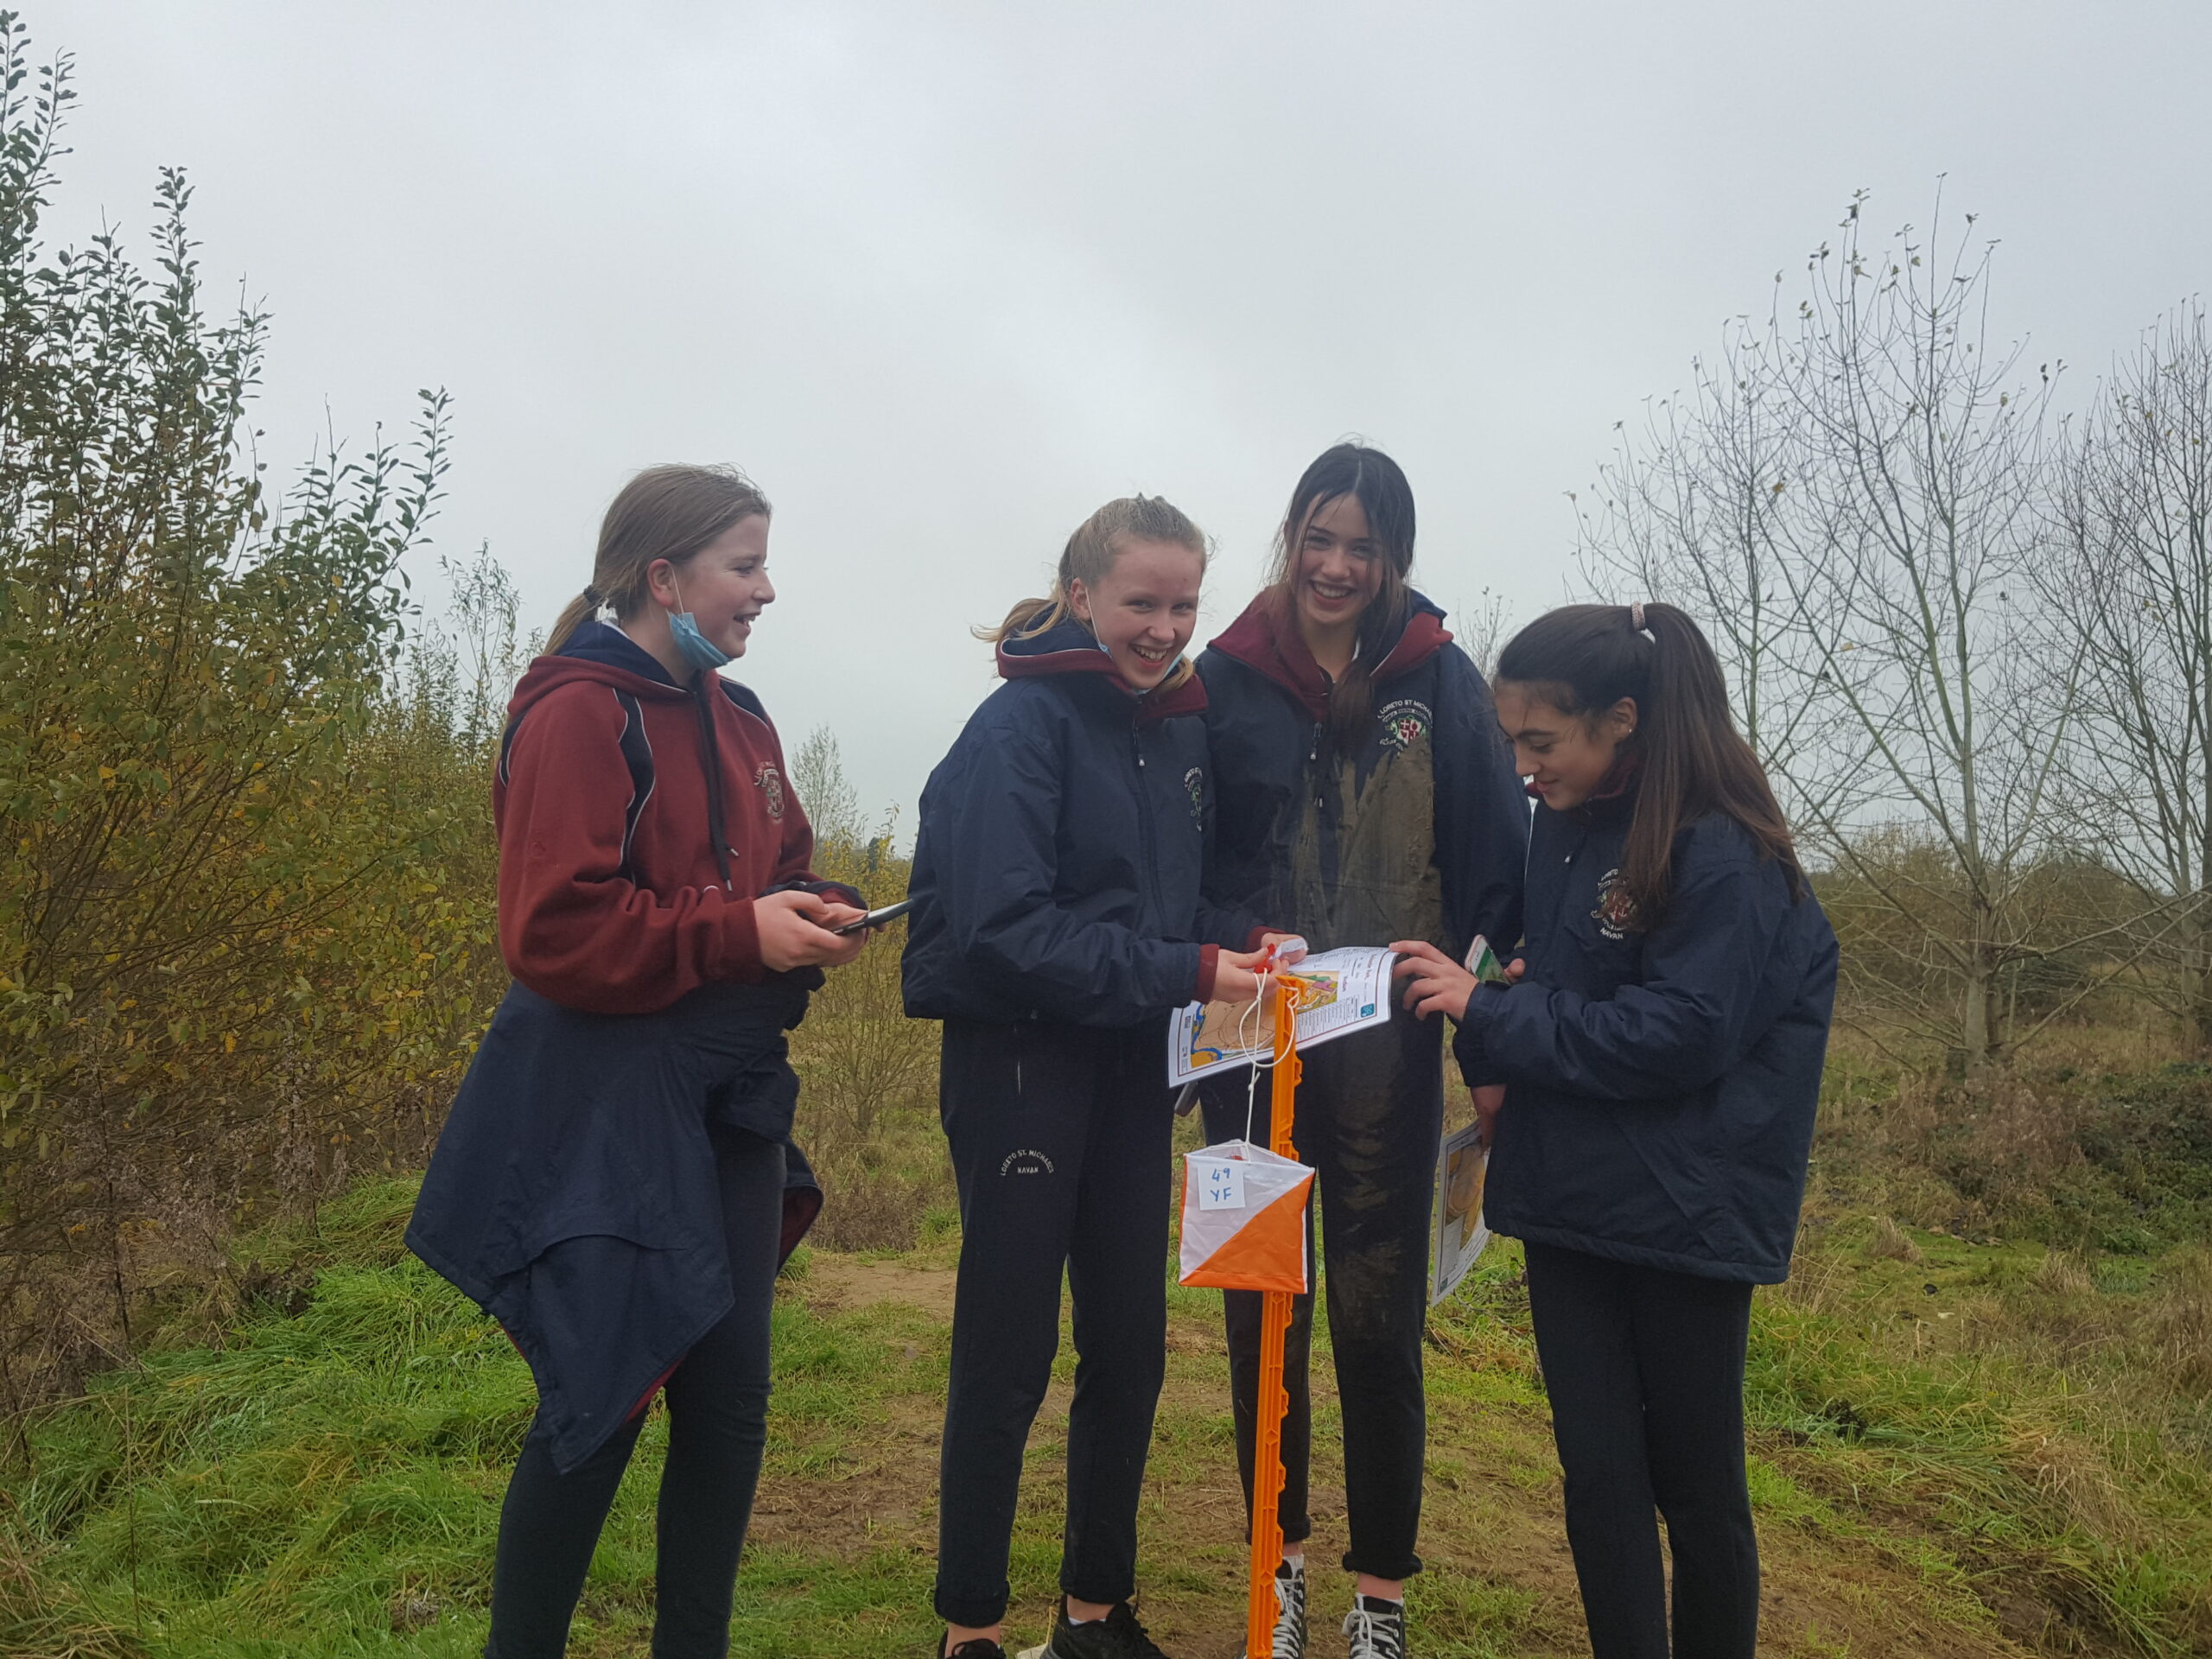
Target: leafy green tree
[(231, 944)]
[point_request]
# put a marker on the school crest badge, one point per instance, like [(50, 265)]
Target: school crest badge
[(1616, 911), (1405, 722), (769, 783), (1194, 784)]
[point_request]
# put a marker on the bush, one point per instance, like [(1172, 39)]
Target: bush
[(244, 926)]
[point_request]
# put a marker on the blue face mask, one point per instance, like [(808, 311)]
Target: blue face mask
[(696, 649)]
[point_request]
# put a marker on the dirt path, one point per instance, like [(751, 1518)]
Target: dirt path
[(1500, 1581)]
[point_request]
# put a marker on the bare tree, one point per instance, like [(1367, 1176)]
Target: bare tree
[(831, 804), (2135, 592), (1854, 498)]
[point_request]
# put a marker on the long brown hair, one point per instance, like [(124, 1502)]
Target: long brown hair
[(1090, 553), (1582, 660), (671, 511), (1379, 484)]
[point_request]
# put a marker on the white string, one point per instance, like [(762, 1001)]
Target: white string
[(1252, 1081)]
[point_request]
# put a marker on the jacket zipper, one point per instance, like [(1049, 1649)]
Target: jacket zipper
[(1145, 827)]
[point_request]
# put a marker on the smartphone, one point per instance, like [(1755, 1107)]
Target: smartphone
[(877, 918), (1483, 964)]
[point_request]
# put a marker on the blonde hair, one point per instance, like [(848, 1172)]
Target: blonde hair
[(1089, 555), (671, 511)]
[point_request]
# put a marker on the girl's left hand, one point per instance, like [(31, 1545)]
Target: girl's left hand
[(835, 914), (1438, 984)]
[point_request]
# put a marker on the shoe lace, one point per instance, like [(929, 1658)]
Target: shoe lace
[(1122, 1621), (1376, 1636), (1290, 1618)]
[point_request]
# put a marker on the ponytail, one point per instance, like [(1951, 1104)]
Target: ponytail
[(1088, 557), (1582, 660), (583, 608), (670, 512)]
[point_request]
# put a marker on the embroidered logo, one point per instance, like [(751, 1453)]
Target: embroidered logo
[(1027, 1160), (1616, 911), (769, 783), (1405, 722), (1194, 781)]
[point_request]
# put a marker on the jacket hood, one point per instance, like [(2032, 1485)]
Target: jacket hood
[(1614, 798), (1068, 647), (1266, 639), (603, 656)]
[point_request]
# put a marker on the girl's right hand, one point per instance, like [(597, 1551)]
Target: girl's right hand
[(794, 932), (1233, 980)]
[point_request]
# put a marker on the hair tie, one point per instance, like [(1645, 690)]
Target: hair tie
[(593, 596), (1636, 617)]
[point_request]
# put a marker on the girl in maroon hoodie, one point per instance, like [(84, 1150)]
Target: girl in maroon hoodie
[(615, 1184)]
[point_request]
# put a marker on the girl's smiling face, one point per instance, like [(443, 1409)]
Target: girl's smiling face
[(724, 585), (1565, 756), (1144, 609), (1338, 567)]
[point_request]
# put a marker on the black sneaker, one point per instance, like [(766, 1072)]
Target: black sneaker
[(1117, 1635), (982, 1648), (1377, 1629), (1290, 1611)]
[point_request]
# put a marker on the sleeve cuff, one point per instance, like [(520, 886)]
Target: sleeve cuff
[(741, 944), (1209, 959), (836, 890), (1471, 1042)]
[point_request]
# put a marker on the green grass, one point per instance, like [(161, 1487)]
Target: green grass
[(1960, 1446)]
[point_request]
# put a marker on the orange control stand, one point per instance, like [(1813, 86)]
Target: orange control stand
[(1275, 1326)]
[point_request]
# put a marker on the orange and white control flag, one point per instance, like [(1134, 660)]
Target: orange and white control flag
[(1244, 1219)]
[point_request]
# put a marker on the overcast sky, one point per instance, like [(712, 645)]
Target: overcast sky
[(943, 278)]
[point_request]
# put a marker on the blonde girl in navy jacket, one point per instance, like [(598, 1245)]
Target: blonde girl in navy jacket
[(1660, 1051), (1057, 917)]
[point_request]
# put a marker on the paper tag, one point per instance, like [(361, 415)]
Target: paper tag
[(1220, 1184)]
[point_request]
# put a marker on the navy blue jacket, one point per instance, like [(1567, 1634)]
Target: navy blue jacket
[(1660, 1085), (1057, 867), (572, 1195), (1423, 833)]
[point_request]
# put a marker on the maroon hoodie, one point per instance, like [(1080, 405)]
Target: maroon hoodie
[(612, 899)]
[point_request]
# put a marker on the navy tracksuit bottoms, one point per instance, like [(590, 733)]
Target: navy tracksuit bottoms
[(1060, 1139), (717, 1428), (1645, 1372)]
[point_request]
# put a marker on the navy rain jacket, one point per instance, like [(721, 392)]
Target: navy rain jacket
[(1057, 867), (1660, 1085)]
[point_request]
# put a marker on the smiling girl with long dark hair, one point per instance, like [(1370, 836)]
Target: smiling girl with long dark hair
[(1365, 796)]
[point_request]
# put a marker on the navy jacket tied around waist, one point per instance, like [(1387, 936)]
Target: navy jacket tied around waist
[(1661, 1084), (572, 1195)]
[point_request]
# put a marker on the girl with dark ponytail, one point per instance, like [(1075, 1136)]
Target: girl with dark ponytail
[(1660, 1046)]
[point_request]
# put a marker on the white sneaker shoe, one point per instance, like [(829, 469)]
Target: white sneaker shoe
[(1290, 1611), (1377, 1629)]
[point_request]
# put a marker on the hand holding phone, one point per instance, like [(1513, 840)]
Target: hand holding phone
[(876, 919)]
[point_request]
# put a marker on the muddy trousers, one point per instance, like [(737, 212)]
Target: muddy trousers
[(717, 1425), (1369, 1117), (1645, 1372), (1060, 1144)]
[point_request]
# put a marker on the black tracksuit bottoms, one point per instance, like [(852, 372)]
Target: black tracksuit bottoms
[(1060, 1138), (717, 1425), (1645, 1372), (1368, 1115)]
